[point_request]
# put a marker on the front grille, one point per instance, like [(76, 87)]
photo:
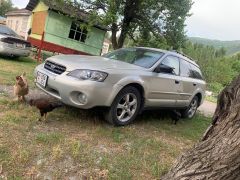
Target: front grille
[(55, 68)]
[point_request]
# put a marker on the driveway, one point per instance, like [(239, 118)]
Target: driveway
[(207, 108)]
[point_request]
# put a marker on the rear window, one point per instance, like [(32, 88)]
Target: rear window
[(7, 31), (195, 72), (189, 70), (185, 68)]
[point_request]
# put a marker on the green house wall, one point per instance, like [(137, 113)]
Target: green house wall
[(57, 29)]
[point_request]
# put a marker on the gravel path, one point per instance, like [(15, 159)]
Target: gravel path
[(33, 93), (207, 108)]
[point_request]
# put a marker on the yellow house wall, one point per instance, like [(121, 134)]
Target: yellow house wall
[(39, 8)]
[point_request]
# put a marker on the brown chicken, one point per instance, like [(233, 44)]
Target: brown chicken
[(20, 88), (44, 106)]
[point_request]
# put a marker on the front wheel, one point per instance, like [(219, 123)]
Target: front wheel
[(191, 110), (125, 107)]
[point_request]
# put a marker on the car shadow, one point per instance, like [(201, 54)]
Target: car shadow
[(96, 116)]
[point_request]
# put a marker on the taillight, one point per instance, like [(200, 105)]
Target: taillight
[(6, 40), (28, 44)]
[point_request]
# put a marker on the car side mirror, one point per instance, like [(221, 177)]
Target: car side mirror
[(164, 69)]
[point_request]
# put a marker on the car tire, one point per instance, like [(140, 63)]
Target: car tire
[(125, 107), (191, 110)]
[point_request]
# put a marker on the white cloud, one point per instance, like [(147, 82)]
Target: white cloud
[(215, 19), (20, 3)]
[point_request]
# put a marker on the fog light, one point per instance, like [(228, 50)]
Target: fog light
[(82, 98)]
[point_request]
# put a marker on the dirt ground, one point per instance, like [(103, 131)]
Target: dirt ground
[(33, 93), (207, 108)]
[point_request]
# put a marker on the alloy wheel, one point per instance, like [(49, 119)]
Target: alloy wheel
[(193, 108), (126, 107)]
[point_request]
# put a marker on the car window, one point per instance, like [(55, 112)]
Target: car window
[(173, 62), (195, 72), (185, 68), (7, 31), (138, 56)]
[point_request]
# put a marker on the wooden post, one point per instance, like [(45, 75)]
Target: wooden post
[(40, 48)]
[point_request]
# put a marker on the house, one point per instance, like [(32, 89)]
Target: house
[(106, 46), (2, 20), (53, 29), (18, 20)]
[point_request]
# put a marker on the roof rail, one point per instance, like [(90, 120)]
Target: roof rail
[(183, 54)]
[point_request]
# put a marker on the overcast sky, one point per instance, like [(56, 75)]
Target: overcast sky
[(214, 19)]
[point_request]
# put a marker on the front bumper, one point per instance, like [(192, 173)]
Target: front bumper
[(67, 89), (8, 49)]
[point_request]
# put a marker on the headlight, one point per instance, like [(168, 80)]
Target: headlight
[(85, 74)]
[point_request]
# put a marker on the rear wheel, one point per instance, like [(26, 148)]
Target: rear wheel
[(125, 107), (192, 108)]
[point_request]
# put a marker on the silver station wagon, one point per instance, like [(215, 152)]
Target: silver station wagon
[(126, 81), (11, 44)]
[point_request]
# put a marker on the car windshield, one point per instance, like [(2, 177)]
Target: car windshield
[(138, 56), (7, 31)]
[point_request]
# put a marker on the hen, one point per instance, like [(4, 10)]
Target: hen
[(44, 106), (21, 87), (175, 115)]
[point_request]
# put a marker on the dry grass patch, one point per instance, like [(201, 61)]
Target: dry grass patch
[(10, 68), (74, 143)]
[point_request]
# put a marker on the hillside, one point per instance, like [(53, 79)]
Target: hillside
[(232, 47)]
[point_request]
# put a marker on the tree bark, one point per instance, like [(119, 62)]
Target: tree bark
[(114, 36), (217, 155), (130, 10)]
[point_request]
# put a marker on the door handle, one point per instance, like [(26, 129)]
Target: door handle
[(177, 82), (194, 84)]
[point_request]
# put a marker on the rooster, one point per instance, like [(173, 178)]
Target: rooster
[(44, 106), (20, 88)]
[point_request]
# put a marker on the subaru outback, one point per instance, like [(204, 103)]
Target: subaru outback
[(126, 81)]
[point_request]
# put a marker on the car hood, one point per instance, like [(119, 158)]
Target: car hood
[(73, 62)]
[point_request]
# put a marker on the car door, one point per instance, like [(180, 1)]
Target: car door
[(164, 85), (189, 83)]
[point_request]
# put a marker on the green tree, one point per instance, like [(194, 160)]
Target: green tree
[(217, 69), (133, 18), (5, 6), (221, 52), (176, 14)]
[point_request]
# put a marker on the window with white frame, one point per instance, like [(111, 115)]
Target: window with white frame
[(77, 33)]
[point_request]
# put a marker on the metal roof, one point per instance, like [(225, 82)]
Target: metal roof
[(23, 12)]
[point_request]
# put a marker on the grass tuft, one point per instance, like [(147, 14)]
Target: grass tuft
[(49, 138)]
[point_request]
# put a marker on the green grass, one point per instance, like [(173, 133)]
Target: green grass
[(49, 138), (211, 99), (72, 139), (10, 68), (78, 143)]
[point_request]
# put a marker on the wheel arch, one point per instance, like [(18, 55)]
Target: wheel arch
[(136, 85), (199, 95)]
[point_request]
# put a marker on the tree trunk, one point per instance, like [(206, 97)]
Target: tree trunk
[(130, 9), (114, 36), (217, 156)]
